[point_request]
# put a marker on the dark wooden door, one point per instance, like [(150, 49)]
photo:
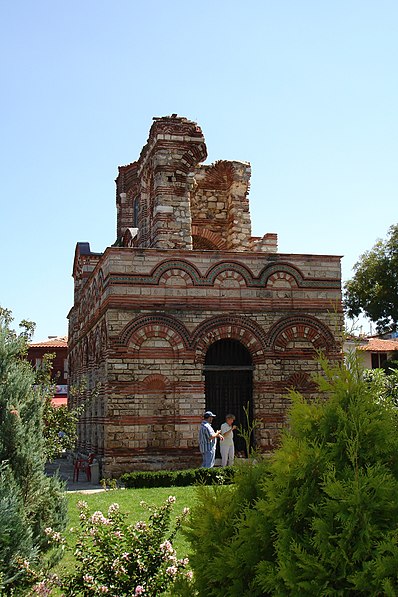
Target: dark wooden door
[(228, 373)]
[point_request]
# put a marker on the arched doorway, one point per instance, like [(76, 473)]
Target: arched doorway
[(228, 371)]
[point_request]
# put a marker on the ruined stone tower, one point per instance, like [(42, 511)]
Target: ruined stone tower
[(188, 311)]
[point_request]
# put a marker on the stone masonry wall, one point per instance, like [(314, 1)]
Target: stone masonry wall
[(184, 273), (160, 310)]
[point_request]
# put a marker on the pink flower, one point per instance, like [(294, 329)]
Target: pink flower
[(99, 518), (166, 547), (139, 590), (172, 570), (113, 508), (42, 589), (88, 578)]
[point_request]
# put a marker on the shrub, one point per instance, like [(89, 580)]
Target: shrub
[(221, 535), (120, 559), (180, 478), (331, 495), (323, 516)]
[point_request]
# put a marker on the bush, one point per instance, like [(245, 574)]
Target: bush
[(323, 517), (182, 478), (120, 559), (331, 496), (221, 535)]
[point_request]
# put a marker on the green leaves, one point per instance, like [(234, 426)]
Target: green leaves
[(122, 559), (373, 290), (29, 500), (324, 519)]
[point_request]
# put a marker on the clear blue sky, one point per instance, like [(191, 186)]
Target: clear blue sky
[(306, 91)]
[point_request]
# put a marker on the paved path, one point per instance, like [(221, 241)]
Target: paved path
[(65, 470)]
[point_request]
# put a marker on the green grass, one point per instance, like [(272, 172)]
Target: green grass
[(129, 502)]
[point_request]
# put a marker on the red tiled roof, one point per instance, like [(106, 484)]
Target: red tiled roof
[(60, 400), (380, 345), (59, 342)]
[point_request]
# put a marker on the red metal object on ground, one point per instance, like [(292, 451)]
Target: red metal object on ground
[(82, 464)]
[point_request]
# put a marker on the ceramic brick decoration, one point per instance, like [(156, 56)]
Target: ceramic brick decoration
[(187, 311)]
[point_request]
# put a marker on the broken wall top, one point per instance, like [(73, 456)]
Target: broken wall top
[(167, 199)]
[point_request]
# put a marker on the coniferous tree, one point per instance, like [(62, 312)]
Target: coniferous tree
[(332, 494), (30, 501), (326, 518)]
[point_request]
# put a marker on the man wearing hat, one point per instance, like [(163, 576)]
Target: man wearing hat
[(208, 439)]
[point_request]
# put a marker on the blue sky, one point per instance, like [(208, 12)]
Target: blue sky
[(305, 90)]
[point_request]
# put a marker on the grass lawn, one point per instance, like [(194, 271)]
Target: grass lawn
[(129, 502)]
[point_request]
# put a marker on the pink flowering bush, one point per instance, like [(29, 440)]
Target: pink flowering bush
[(115, 558)]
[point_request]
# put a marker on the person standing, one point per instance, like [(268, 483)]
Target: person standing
[(208, 440), (227, 448)]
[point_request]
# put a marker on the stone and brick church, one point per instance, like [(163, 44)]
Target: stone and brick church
[(188, 311)]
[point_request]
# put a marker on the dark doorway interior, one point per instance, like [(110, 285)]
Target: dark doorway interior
[(228, 373)]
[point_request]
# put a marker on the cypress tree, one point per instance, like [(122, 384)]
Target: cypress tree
[(29, 500)]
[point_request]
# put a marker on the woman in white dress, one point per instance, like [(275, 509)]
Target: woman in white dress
[(227, 447)]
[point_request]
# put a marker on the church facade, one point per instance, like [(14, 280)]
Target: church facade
[(187, 311)]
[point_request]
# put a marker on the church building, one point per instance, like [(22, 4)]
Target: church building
[(188, 312)]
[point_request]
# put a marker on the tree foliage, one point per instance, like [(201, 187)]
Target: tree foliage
[(29, 500), (373, 291), (60, 422), (325, 521), (225, 544)]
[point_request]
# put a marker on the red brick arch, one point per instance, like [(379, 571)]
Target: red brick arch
[(152, 332), (281, 277), (156, 383), (175, 272), (163, 271), (217, 328), (278, 271), (148, 326), (211, 237), (229, 275), (305, 328), (301, 381)]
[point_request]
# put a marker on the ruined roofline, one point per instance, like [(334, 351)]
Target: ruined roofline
[(169, 199), (168, 128)]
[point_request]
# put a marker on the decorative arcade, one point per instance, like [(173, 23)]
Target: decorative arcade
[(187, 311)]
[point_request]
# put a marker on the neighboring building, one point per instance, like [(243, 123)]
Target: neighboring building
[(374, 351), (187, 311), (57, 345)]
